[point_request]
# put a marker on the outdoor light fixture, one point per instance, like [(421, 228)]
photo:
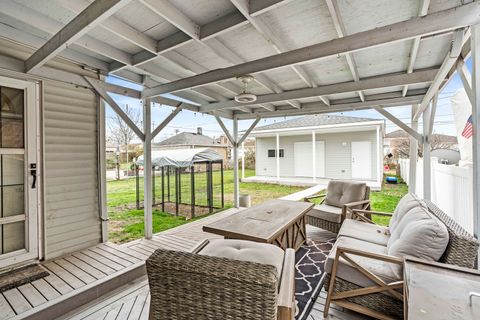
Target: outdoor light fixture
[(245, 96), (344, 144)]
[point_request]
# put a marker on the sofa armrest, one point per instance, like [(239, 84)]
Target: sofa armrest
[(370, 255), (362, 215), (199, 246), (348, 207), (307, 199), (286, 293)]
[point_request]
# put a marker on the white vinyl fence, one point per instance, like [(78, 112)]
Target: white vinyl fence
[(452, 189)]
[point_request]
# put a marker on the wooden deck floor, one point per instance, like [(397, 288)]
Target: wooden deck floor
[(108, 281)]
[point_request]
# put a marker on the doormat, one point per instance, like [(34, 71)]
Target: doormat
[(309, 274), (21, 276)]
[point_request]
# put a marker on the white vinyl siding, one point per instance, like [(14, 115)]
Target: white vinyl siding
[(338, 158), (71, 178)]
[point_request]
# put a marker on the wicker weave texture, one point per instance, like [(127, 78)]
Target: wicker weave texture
[(462, 247), (379, 302), (324, 224), (190, 286)]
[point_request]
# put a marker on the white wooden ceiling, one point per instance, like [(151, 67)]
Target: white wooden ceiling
[(164, 32)]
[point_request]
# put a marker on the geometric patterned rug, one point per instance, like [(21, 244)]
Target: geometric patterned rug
[(309, 275)]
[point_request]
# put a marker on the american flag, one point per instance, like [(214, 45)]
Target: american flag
[(468, 130)]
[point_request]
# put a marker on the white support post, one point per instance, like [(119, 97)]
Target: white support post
[(314, 158), (277, 156), (102, 170), (236, 186), (379, 157), (243, 160), (413, 154), (427, 159), (475, 45), (147, 169)]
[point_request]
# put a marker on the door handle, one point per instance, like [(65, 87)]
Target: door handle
[(33, 173)]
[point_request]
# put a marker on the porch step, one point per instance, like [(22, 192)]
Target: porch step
[(66, 303)]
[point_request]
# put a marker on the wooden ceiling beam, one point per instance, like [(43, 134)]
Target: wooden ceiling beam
[(458, 17)]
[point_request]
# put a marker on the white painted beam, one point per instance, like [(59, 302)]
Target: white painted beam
[(115, 26), (277, 154), (51, 26), (427, 159), (236, 181), (399, 123), (99, 88), (365, 84), (340, 28), (315, 107), (258, 7), (432, 115), (430, 24), (314, 157), (166, 121), (466, 79), (447, 65), (413, 154), (246, 133), (232, 140), (94, 14), (170, 13), (147, 170), (475, 45), (423, 10)]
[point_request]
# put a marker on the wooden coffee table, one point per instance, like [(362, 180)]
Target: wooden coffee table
[(280, 222)]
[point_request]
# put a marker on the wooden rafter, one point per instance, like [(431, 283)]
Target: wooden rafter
[(450, 19), (94, 14)]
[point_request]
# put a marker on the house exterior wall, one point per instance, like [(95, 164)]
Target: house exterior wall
[(337, 158), (71, 209)]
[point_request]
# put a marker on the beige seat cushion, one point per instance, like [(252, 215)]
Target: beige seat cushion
[(326, 212), (407, 203), (346, 272), (365, 231), (243, 250), (343, 192), (419, 234)]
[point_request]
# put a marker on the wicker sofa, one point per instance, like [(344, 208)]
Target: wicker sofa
[(223, 279), (365, 267), (336, 204)]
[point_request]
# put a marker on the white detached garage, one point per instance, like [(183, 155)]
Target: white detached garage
[(323, 146)]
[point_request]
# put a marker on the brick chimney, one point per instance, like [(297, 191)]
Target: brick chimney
[(199, 131)]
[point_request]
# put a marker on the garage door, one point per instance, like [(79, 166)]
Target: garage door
[(304, 159)]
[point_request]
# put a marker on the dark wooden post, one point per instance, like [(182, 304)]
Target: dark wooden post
[(137, 187), (221, 182), (153, 185), (168, 183), (176, 191)]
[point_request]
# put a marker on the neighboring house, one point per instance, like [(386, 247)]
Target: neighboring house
[(186, 140), (345, 148), (397, 143)]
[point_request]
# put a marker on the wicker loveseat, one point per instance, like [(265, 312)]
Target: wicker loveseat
[(223, 279), (365, 267), (336, 205)]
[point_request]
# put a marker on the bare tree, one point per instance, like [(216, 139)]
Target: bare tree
[(119, 132), (401, 147)]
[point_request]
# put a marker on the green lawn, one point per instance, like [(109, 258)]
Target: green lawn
[(126, 222)]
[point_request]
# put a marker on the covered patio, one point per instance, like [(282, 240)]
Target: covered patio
[(62, 61)]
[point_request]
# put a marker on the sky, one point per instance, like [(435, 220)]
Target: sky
[(188, 121)]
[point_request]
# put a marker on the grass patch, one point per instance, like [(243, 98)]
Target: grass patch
[(387, 199), (126, 222)]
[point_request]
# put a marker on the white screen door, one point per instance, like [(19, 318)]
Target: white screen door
[(303, 159), (361, 159), (18, 161)]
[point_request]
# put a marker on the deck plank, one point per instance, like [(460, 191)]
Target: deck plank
[(17, 301), (76, 271), (112, 257), (7, 311), (94, 263), (126, 308), (103, 260), (120, 252), (94, 272), (63, 274), (58, 284), (46, 289), (33, 296)]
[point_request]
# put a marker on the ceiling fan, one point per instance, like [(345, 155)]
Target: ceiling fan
[(245, 96)]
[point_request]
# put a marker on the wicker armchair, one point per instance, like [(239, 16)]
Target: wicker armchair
[(187, 285), (337, 204), (383, 298)]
